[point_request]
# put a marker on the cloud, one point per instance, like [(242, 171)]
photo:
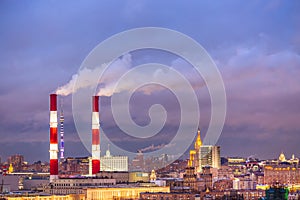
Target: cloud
[(41, 48), (262, 91)]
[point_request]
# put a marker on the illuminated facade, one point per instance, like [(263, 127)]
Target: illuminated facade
[(283, 174), (113, 163), (244, 182), (223, 184), (99, 194), (76, 185), (10, 169), (172, 195), (153, 176), (194, 154), (293, 160), (281, 157), (225, 172), (190, 179), (122, 192), (210, 156), (52, 197), (236, 161), (139, 177)]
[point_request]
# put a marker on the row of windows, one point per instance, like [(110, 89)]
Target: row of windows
[(81, 184)]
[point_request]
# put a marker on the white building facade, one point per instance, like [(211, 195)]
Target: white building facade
[(113, 163)]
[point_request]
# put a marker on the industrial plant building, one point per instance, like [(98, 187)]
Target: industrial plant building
[(64, 186)]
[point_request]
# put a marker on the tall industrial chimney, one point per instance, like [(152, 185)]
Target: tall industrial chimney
[(95, 136), (53, 138)]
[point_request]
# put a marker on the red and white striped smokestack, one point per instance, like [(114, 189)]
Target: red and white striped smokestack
[(95, 136), (53, 138)]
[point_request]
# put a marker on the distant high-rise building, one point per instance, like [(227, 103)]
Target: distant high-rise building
[(164, 159), (113, 163), (138, 163), (194, 154), (209, 156), (16, 161)]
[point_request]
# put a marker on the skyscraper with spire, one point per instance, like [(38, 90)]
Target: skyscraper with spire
[(190, 176), (204, 155), (194, 153)]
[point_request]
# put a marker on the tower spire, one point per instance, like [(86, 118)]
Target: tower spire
[(61, 120), (108, 151), (198, 142)]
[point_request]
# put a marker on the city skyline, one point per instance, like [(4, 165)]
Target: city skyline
[(254, 44)]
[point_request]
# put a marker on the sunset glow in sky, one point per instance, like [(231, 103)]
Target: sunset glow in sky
[(255, 44)]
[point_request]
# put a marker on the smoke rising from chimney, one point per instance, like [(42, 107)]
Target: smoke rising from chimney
[(111, 75), (119, 67), (85, 74), (151, 148)]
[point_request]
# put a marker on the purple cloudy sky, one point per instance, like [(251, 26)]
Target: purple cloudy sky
[(255, 44)]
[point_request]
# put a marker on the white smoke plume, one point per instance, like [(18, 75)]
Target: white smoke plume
[(113, 73), (116, 69), (151, 148), (84, 74), (139, 77)]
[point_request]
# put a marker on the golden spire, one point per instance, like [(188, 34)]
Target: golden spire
[(10, 169), (207, 190), (198, 142)]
